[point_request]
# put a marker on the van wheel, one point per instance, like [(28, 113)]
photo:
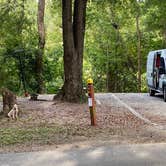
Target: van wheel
[(151, 92), (164, 93)]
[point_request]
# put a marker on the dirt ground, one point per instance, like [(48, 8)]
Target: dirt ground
[(62, 123)]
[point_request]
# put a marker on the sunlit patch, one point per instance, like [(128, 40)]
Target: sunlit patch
[(96, 153), (143, 154), (59, 158)]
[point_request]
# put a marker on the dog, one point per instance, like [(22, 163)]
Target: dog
[(13, 114)]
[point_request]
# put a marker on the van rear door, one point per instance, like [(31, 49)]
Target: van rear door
[(150, 69)]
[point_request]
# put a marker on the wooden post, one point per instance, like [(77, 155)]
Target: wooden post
[(91, 102)]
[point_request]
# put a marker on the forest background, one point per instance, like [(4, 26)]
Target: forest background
[(119, 34)]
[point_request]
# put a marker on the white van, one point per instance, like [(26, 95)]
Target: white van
[(156, 72)]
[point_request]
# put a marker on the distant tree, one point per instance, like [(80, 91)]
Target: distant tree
[(138, 44), (73, 42), (41, 44)]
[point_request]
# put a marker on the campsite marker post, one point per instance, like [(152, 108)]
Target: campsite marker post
[(91, 101)]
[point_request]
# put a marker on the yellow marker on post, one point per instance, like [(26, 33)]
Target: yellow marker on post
[(91, 101), (90, 81)]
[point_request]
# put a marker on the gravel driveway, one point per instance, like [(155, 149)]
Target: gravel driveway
[(151, 108)]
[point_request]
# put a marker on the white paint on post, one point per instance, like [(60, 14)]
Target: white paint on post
[(90, 102)]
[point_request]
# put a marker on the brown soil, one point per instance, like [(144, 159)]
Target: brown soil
[(114, 125)]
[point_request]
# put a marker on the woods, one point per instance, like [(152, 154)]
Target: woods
[(53, 45)]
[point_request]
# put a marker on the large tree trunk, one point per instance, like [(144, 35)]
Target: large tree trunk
[(41, 44), (73, 39)]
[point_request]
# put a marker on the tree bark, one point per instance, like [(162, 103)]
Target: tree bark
[(9, 99), (41, 44), (73, 42)]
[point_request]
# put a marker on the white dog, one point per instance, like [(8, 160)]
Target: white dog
[(14, 112)]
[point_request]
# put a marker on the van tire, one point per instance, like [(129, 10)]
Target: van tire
[(164, 93), (151, 92)]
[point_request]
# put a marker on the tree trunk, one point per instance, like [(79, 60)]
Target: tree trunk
[(9, 99), (21, 45), (138, 52), (109, 72), (41, 44), (73, 40)]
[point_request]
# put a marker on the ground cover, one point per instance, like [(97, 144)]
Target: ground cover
[(48, 123)]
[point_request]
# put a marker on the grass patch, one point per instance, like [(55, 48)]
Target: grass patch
[(40, 135)]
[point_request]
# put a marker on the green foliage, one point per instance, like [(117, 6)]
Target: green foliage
[(18, 39), (111, 41), (110, 45)]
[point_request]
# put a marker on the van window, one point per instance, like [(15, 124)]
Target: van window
[(158, 59), (162, 63)]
